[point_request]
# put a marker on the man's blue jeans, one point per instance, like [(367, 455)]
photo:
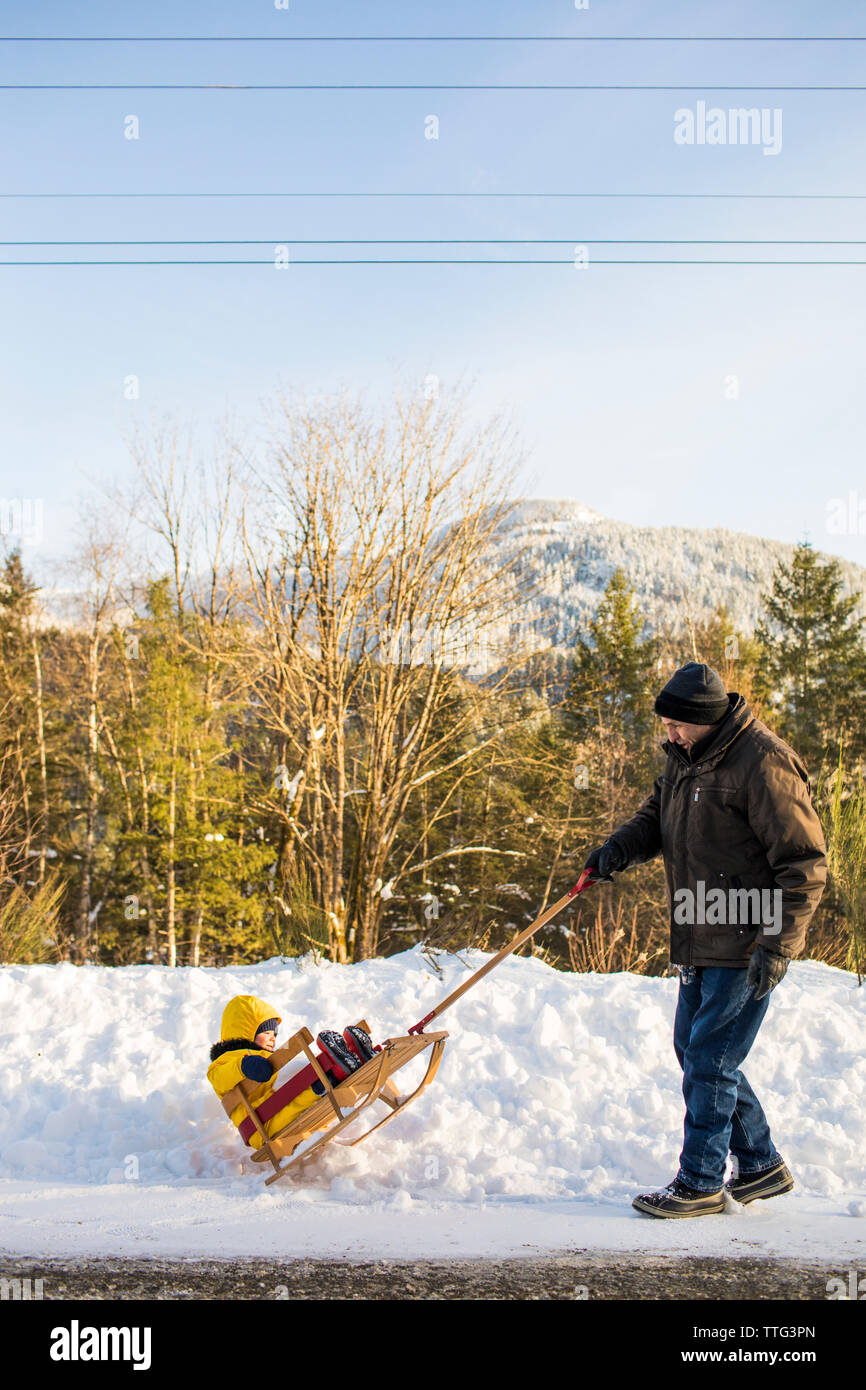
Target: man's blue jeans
[(717, 1021)]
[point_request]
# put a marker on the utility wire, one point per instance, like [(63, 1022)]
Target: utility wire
[(744, 196), (412, 87), (415, 261), (432, 38), (455, 241)]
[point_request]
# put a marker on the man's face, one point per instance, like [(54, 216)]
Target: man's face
[(686, 734)]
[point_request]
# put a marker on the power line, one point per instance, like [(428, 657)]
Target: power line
[(412, 87), (853, 197), (454, 241), (431, 261), (432, 38)]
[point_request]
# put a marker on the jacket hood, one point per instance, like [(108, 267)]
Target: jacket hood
[(243, 1015)]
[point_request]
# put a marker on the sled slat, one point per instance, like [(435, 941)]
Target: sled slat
[(252, 1090), (325, 1080), (292, 1138), (285, 1054), (320, 1115)]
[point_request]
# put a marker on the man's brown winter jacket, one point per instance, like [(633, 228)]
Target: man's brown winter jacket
[(737, 818)]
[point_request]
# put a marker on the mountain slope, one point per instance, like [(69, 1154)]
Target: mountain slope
[(676, 571)]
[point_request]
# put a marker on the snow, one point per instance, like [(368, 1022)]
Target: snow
[(558, 1098)]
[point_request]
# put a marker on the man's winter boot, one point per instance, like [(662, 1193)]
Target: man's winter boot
[(769, 1182), (679, 1200)]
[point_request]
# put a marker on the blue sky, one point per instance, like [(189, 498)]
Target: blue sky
[(617, 377)]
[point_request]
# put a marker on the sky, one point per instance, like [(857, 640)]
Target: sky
[(691, 395)]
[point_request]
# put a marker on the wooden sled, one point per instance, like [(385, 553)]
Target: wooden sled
[(372, 1081)]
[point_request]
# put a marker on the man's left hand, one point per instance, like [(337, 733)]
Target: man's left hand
[(766, 969)]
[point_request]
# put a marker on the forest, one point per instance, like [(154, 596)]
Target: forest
[(249, 721)]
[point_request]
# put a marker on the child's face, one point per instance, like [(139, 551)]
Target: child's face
[(266, 1041)]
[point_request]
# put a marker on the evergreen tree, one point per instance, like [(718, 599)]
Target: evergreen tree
[(30, 891), (845, 824), (17, 706), (609, 704), (812, 667), (192, 875)]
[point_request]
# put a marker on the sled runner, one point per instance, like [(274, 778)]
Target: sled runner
[(351, 1094)]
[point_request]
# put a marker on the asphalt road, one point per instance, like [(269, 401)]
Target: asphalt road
[(581, 1275)]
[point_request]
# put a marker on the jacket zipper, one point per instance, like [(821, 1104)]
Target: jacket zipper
[(685, 843)]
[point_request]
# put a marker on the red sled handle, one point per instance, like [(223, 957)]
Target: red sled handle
[(583, 882)]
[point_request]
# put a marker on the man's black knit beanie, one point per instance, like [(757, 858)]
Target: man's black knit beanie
[(695, 694)]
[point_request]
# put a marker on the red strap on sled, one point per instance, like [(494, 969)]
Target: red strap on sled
[(279, 1098), (286, 1093)]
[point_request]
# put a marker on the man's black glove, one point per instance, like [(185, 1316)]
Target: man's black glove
[(607, 860), (766, 969)]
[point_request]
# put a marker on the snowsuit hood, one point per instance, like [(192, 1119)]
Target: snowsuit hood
[(242, 1018), (243, 1015), (240, 1023)]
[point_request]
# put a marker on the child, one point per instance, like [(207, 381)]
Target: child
[(248, 1034)]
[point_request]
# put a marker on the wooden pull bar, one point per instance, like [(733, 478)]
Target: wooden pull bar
[(583, 882)]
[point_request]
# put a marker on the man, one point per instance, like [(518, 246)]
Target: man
[(745, 862)]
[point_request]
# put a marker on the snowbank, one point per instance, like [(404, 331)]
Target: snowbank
[(557, 1099)]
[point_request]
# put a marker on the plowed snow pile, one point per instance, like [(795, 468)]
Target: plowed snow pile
[(558, 1099)]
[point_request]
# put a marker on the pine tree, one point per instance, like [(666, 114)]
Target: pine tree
[(191, 879), (718, 642), (812, 667), (609, 704), (845, 821), (30, 891), (17, 706)]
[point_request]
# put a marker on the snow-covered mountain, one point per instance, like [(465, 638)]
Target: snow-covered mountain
[(571, 552), (567, 553)]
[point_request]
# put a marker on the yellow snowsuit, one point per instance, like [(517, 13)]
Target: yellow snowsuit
[(240, 1022)]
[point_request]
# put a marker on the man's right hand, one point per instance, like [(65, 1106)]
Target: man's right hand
[(607, 860)]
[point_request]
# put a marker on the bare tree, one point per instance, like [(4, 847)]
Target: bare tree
[(97, 602), (186, 503), (370, 584)]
